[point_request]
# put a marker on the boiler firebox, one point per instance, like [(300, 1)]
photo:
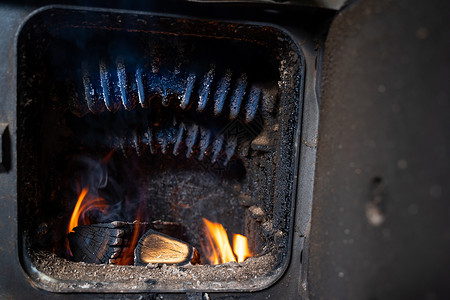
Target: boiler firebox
[(130, 122), (171, 149)]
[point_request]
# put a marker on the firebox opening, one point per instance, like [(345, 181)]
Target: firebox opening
[(137, 133)]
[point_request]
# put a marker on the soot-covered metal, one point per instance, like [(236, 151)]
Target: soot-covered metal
[(164, 119)]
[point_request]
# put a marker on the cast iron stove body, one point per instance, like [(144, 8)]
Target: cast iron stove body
[(76, 100), (203, 119), (177, 118)]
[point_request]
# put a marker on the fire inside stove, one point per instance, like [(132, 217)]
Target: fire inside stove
[(155, 153)]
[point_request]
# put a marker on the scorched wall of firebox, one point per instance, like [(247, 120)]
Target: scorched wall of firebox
[(159, 122)]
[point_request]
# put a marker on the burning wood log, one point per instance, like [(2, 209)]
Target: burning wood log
[(108, 243), (155, 247)]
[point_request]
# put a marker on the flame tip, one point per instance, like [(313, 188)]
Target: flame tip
[(83, 206), (218, 248)]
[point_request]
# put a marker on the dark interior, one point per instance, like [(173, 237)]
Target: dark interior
[(117, 106)]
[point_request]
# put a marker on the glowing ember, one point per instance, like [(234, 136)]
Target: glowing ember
[(83, 206), (218, 249)]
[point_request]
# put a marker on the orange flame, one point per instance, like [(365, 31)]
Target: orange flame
[(83, 206), (127, 258), (218, 250), (240, 247)]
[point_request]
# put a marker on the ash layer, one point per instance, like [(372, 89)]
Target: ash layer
[(67, 276)]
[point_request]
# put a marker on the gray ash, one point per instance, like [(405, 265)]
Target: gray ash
[(66, 276)]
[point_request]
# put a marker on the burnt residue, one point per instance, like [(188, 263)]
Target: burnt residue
[(184, 119), (173, 92), (163, 130), (119, 85)]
